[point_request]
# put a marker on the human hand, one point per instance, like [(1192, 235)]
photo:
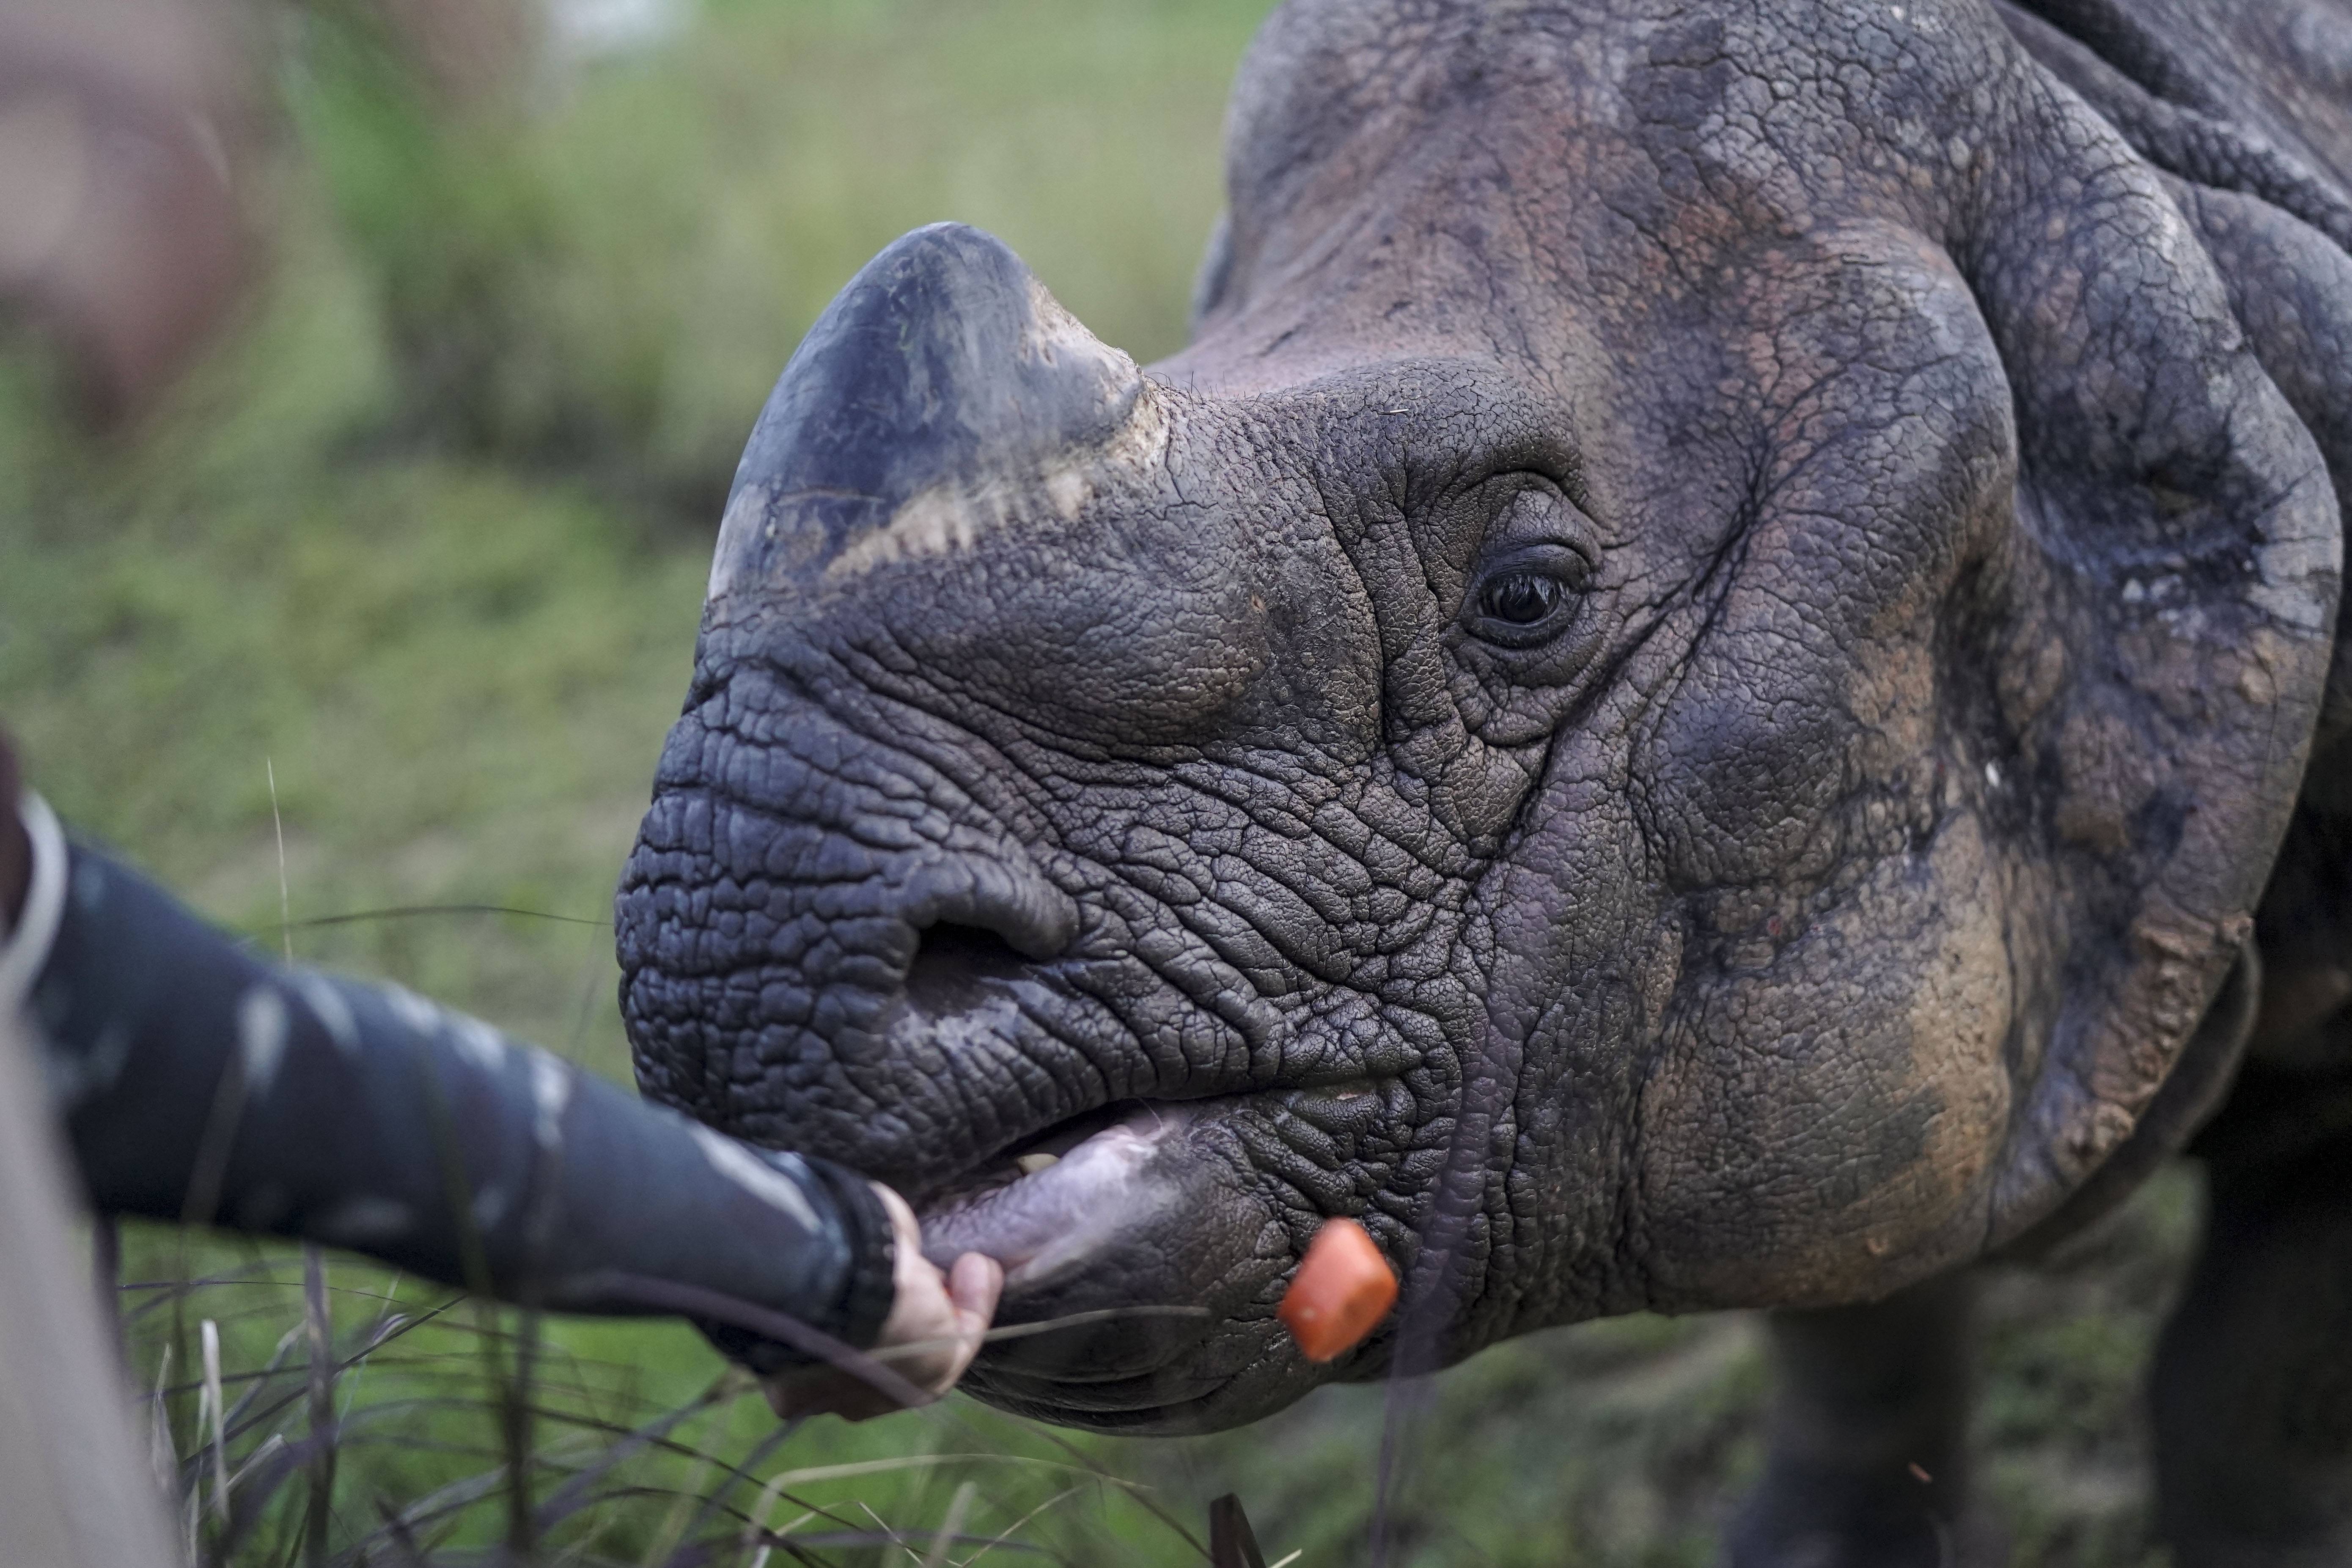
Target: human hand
[(932, 1332)]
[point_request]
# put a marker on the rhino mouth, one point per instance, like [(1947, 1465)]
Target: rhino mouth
[(1143, 1254), (1057, 1202), (1048, 1205), (1144, 1239)]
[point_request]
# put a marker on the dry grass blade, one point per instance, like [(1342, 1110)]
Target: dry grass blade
[(387, 1331), (695, 1302), (416, 911), (213, 1411), (883, 1535), (285, 889), (681, 1510), (755, 1523), (951, 1527), (397, 1530), (318, 1510), (766, 1540), (163, 1456), (1005, 1537), (259, 1382), (919, 1461), (165, 1292), (910, 1348), (252, 1485), (402, 1523), (743, 1474), (888, 1535), (515, 1437), (569, 1496), (1140, 1493)]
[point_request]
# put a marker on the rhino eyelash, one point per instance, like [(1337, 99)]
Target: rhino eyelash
[(1523, 598), (1527, 598)]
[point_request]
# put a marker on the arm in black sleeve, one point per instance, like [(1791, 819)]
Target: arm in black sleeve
[(198, 1083)]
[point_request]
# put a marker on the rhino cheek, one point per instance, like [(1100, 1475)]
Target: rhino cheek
[(1584, 948), (1828, 1122)]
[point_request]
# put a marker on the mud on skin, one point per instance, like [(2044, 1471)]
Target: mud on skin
[(1691, 687)]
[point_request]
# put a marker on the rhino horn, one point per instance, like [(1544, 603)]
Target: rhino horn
[(943, 391)]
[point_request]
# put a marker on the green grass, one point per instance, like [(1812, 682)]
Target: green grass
[(425, 539)]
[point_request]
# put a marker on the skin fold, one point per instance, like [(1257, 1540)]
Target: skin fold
[(1686, 698)]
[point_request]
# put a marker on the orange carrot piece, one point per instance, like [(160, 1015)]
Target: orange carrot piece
[(1343, 1288)]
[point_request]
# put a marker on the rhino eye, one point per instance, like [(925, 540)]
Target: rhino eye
[(1523, 598), (1528, 597)]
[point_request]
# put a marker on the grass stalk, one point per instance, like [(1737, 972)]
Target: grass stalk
[(515, 1434), (212, 1411), (951, 1525), (318, 1508)]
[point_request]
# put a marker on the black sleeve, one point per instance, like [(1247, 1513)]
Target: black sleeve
[(200, 1084)]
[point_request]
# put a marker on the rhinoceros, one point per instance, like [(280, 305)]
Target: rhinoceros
[(1687, 698)]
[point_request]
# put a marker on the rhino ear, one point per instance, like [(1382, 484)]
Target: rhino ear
[(2156, 646)]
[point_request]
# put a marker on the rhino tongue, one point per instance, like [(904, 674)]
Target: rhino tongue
[(1058, 1213)]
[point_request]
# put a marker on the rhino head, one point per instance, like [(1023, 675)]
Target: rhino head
[(1680, 702)]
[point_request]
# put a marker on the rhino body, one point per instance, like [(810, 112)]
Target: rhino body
[(1689, 697)]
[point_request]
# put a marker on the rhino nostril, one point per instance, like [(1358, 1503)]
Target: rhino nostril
[(997, 905), (952, 964)]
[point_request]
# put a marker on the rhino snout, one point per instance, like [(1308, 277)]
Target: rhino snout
[(811, 956)]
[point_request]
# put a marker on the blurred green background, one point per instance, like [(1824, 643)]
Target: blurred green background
[(424, 540)]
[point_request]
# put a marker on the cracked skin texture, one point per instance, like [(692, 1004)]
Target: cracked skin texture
[(1945, 566)]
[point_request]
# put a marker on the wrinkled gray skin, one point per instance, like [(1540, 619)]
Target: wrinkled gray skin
[(1685, 699)]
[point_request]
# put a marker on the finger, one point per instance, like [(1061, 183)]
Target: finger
[(943, 1314), (904, 1227), (975, 1285)]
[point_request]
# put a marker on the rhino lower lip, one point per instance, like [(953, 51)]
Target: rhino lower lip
[(1046, 1209), (1045, 1206)]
